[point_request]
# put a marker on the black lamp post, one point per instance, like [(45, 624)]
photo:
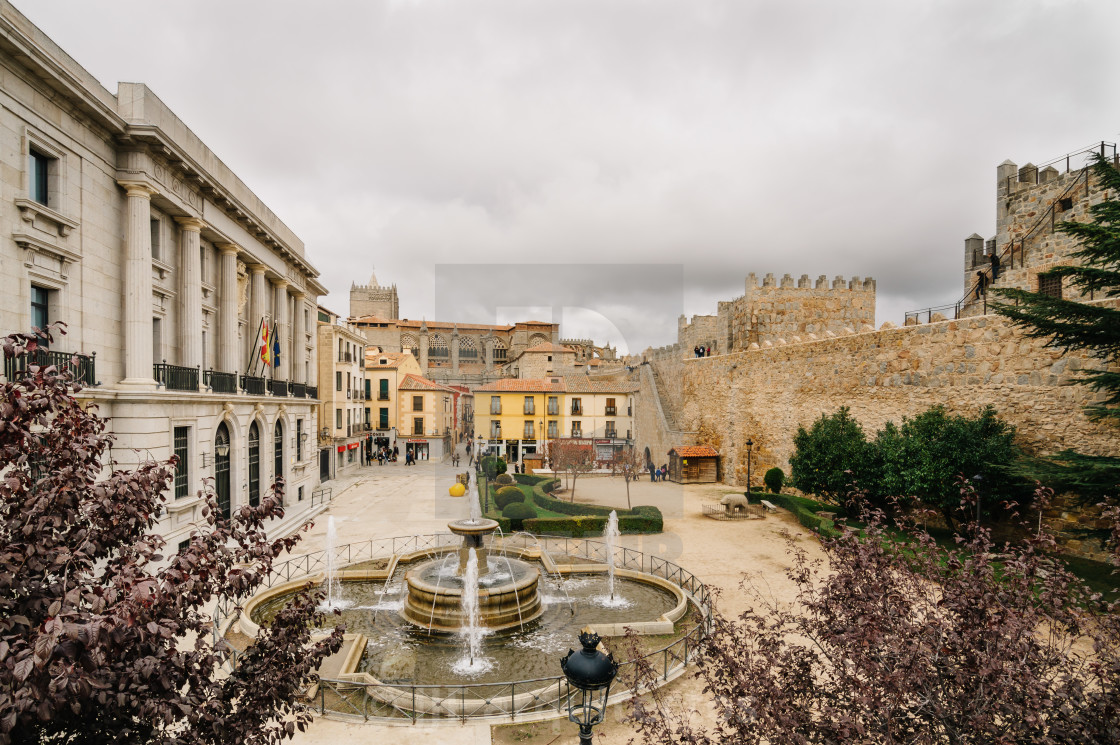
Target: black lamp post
[(590, 672), (750, 444)]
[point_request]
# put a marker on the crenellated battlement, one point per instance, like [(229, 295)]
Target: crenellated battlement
[(374, 299), (838, 282)]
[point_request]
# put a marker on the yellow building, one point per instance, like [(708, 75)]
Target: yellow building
[(426, 412), (384, 373)]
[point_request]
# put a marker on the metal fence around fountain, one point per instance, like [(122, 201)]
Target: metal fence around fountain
[(539, 696)]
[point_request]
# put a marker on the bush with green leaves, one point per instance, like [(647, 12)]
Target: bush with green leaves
[(774, 478), (503, 479), (507, 495), (492, 465), (829, 456), (517, 513)]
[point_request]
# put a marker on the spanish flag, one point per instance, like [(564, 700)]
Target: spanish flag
[(266, 354)]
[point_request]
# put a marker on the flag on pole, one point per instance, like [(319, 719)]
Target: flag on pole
[(275, 348), (266, 357)]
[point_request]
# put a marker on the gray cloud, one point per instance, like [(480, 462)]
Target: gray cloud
[(855, 138)]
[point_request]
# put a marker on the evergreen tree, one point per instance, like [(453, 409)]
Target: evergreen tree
[(1093, 327)]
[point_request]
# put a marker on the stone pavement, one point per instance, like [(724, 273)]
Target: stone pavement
[(398, 500)]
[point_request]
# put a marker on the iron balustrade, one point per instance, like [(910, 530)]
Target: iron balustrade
[(252, 385), (299, 390), (611, 411), (577, 409), (321, 496), (382, 396), (220, 382), (313, 391), (81, 366), (175, 377), (278, 387), (507, 699), (344, 357)]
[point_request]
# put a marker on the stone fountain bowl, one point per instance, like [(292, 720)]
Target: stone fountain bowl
[(434, 603)]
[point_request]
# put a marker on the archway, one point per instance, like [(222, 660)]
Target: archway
[(221, 470)]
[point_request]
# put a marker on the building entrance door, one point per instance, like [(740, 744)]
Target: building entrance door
[(221, 470), (325, 464)]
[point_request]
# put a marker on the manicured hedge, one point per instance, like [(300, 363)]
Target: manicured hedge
[(807, 517), (518, 512), (507, 495), (642, 519)]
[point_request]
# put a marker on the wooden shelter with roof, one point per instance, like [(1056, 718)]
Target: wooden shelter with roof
[(694, 464)]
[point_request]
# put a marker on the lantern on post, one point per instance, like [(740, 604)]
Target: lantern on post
[(590, 673)]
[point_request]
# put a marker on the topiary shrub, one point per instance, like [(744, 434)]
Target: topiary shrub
[(774, 479), (506, 496), (492, 465), (504, 479), (517, 513)]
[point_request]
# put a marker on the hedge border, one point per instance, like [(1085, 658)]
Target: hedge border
[(585, 519), (822, 526)]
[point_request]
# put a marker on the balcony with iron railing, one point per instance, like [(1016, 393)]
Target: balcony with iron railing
[(382, 396), (495, 410), (81, 366), (612, 411), (313, 391), (577, 409), (345, 357), (554, 410), (253, 385), (278, 387), (175, 377), (298, 390), (220, 382)]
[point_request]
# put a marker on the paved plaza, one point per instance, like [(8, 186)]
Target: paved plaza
[(399, 500)]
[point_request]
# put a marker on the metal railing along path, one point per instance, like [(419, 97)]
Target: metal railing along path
[(539, 697)]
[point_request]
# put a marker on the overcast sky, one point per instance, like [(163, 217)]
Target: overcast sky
[(718, 138)]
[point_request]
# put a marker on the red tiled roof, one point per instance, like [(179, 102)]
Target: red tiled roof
[(416, 383), (695, 451), (373, 359), (584, 384), (518, 385)]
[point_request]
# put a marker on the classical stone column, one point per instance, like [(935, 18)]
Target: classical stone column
[(258, 309), (227, 310), (424, 348), (138, 285), (299, 347), (280, 314), (190, 292)]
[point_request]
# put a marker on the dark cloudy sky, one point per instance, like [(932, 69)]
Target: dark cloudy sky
[(617, 162)]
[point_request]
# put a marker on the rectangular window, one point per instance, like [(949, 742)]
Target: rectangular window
[(299, 441), (553, 405), (528, 433), (418, 425), (417, 403), (383, 418), (495, 405), (611, 410), (338, 418), (180, 436), (184, 545), (349, 382), (338, 380), (40, 307), (610, 430), (368, 382), (495, 430), (299, 494), (577, 430), (40, 169), (1050, 284), (157, 340), (530, 405), (383, 389), (553, 429), (577, 406), (155, 223)]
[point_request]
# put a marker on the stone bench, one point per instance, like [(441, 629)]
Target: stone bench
[(769, 507)]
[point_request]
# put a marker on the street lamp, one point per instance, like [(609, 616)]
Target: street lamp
[(750, 444), (590, 672)]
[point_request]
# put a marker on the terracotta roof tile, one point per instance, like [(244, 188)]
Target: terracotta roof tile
[(416, 383), (518, 385), (584, 384), (695, 451), (373, 359)]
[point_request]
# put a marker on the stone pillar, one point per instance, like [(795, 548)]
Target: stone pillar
[(423, 336), (280, 314), (299, 347), (227, 309), (258, 309), (488, 351), (190, 292), (455, 349), (137, 290)]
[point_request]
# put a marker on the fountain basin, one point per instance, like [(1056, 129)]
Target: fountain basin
[(508, 597)]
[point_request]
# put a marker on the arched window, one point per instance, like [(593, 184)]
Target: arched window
[(437, 347), (468, 350), (499, 350), (408, 344), (221, 470), (536, 339), (254, 465), (278, 451)]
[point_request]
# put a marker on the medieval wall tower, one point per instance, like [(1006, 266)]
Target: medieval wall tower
[(371, 299)]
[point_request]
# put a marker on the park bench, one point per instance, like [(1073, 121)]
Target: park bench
[(769, 507)]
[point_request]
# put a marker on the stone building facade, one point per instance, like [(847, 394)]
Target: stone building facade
[(373, 299), (344, 425), (120, 222)]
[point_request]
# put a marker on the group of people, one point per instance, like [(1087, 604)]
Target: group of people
[(385, 455), (982, 279), (702, 351), (659, 474)]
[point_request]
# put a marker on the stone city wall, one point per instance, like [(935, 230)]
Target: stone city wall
[(801, 311), (765, 394)]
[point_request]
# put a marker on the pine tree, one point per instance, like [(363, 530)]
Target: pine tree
[(1094, 327)]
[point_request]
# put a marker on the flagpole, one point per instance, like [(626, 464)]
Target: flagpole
[(255, 350)]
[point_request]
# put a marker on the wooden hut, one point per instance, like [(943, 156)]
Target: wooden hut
[(696, 464)]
